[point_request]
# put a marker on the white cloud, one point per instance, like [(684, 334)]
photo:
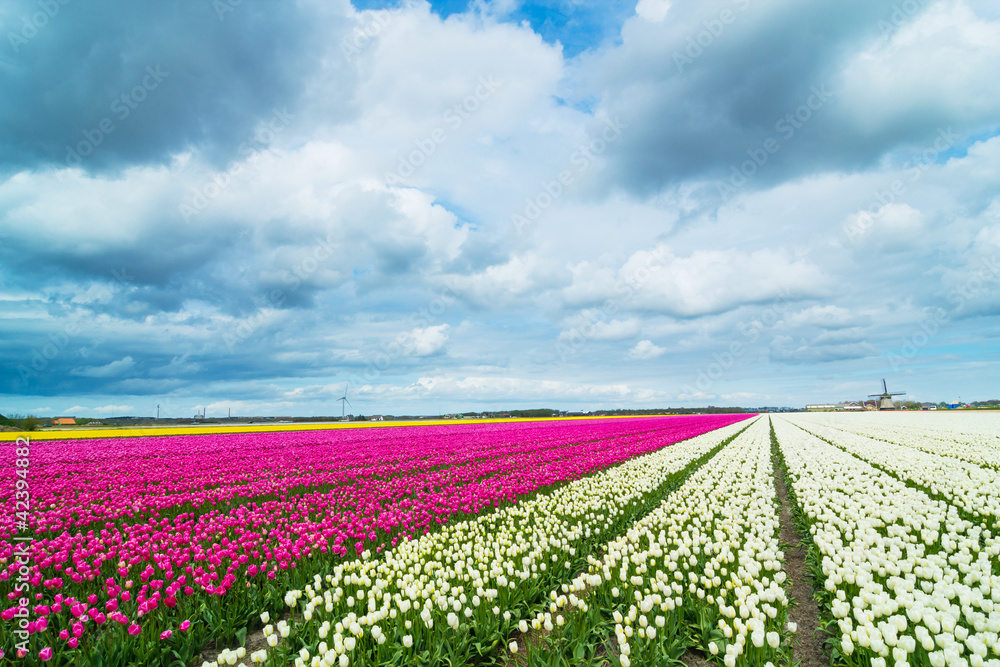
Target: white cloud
[(743, 395), (510, 388), (588, 325), (423, 342), (939, 64), (514, 282), (706, 281), (177, 366), (829, 316), (109, 370), (785, 349), (113, 409), (646, 349), (82, 410), (696, 396), (653, 11)]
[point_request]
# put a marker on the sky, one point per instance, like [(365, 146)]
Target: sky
[(453, 206)]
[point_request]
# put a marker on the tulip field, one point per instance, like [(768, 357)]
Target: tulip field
[(142, 549), (903, 531), (632, 541)]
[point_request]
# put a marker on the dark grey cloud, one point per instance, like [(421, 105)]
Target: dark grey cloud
[(720, 83), (137, 82)]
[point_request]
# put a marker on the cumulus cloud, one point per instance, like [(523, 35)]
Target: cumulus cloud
[(646, 349), (704, 282), (653, 10), (425, 342)]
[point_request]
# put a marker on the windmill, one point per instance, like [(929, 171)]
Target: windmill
[(885, 398), (344, 402)]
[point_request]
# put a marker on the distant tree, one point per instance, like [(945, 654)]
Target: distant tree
[(26, 423)]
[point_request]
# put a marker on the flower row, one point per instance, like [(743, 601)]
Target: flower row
[(708, 557), (458, 593), (972, 488), (906, 579), (968, 436)]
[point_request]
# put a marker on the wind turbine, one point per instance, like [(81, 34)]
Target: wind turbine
[(343, 401)]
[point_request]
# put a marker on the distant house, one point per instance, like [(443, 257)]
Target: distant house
[(64, 421), (377, 418)]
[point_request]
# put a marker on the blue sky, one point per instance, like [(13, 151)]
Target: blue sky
[(473, 205)]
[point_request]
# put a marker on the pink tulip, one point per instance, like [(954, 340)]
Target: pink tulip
[(45, 654), (184, 626), (134, 629)]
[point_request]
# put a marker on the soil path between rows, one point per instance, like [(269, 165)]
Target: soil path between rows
[(804, 612)]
